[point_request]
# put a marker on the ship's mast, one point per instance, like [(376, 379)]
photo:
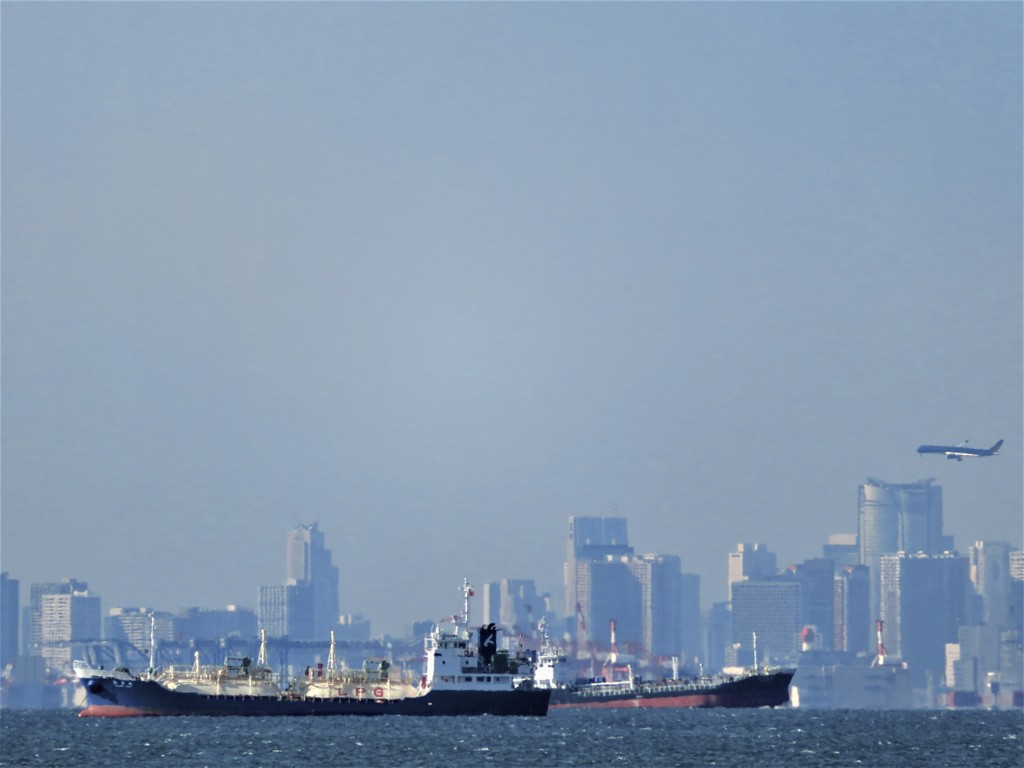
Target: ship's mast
[(152, 643), (330, 655), (261, 660), (467, 592)]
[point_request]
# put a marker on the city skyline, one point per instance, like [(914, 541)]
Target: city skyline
[(443, 275), (766, 568)]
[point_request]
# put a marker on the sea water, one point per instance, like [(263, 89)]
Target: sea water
[(665, 737)]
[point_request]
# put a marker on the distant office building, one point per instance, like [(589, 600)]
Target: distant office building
[(591, 538), (133, 626), (9, 617), (66, 618), (309, 562), (925, 600), (642, 594), (771, 609), (513, 605), (692, 638), (718, 631), (609, 592), (842, 549), (1017, 565), (215, 623), (751, 562), (817, 599), (287, 611), (852, 621), (661, 604), (36, 593), (898, 517), (990, 575)]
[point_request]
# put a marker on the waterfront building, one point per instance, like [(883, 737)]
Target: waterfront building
[(925, 599), (309, 562), (751, 562), (9, 618)]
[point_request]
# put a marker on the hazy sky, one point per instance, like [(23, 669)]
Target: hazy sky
[(441, 275)]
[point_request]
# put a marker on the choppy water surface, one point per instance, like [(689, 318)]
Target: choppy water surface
[(736, 738)]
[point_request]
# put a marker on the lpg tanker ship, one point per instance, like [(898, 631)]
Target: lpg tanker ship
[(463, 675)]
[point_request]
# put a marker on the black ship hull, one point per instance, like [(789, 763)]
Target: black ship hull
[(761, 690), (107, 697)]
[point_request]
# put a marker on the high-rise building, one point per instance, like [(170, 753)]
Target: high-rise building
[(65, 618), (898, 517), (287, 611), (990, 574), (817, 599), (771, 610), (9, 617), (751, 562), (36, 593), (608, 591), (591, 538), (661, 603), (852, 610), (692, 638), (309, 562), (925, 600)]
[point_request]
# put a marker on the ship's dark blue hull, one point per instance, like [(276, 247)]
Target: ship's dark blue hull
[(764, 690), (107, 697)]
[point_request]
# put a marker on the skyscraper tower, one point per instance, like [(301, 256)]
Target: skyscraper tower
[(898, 517), (924, 601), (591, 538), (309, 562)]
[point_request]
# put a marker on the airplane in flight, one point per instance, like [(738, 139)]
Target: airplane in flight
[(960, 452)]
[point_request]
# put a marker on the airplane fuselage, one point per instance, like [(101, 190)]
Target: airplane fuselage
[(960, 452)]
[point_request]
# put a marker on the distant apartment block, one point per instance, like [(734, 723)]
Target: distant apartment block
[(990, 575)]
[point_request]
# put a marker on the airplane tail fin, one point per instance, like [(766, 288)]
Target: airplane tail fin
[(995, 448)]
